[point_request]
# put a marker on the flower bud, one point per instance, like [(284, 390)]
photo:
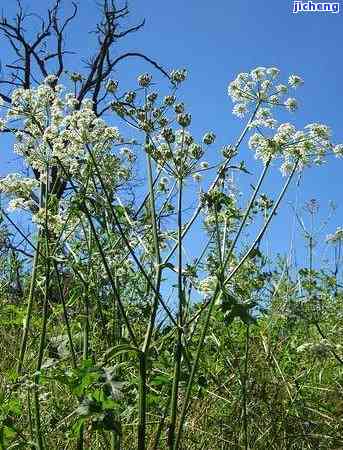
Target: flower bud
[(184, 120), (209, 138), (144, 80)]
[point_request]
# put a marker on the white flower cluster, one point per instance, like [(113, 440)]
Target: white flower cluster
[(144, 80), (21, 188), (336, 237), (54, 133), (338, 150), (54, 130), (2, 124), (207, 285), (260, 87), (307, 146), (54, 222), (15, 183)]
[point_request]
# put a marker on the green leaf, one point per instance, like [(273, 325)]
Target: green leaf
[(241, 310), (119, 349), (161, 380)]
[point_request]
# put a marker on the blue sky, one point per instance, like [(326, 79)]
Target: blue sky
[(215, 41)]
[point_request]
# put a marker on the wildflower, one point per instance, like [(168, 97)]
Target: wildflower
[(112, 86), (71, 101), (75, 77), (169, 100), (130, 96), (178, 76), (258, 74), (229, 151), (20, 203), (207, 285), (182, 136), (295, 81), (274, 99), (209, 138), (286, 167), (204, 165), (144, 80), (168, 135), (179, 108), (197, 177), (50, 80), (196, 151), (338, 150), (152, 97), (163, 121), (319, 131), (87, 103), (273, 72), (240, 110), (291, 104), (18, 185), (184, 119), (281, 89), (336, 237)]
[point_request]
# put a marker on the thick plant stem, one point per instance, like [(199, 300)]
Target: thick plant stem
[(244, 389), (29, 309), (39, 436), (86, 326), (178, 352), (65, 315), (29, 413), (157, 437), (157, 258), (44, 325), (40, 357), (145, 349), (142, 402)]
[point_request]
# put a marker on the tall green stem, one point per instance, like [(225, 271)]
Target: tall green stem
[(45, 315), (65, 314), (157, 258), (142, 402), (178, 352), (145, 349), (29, 308), (192, 375), (244, 388)]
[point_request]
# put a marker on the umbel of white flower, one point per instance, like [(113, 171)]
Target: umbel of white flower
[(336, 237), (54, 130), (261, 86), (261, 92)]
